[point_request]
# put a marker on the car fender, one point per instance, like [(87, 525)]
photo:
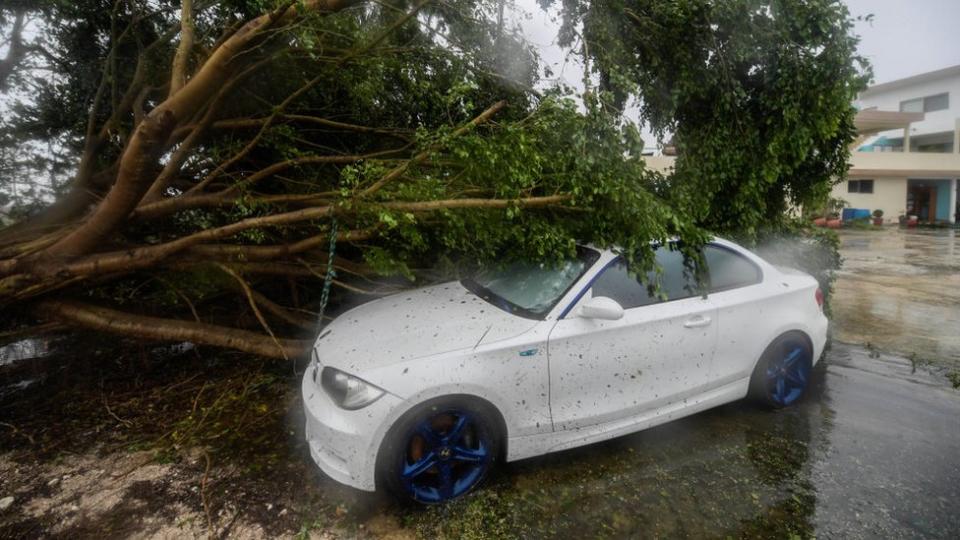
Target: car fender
[(817, 337), (408, 404)]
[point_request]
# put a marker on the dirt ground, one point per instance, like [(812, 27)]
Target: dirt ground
[(148, 444), (126, 442)]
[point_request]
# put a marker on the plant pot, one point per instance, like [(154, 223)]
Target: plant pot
[(878, 221), (834, 223)]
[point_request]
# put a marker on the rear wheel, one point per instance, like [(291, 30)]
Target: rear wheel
[(783, 372), (439, 451)]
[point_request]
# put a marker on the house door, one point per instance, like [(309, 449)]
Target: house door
[(922, 202)]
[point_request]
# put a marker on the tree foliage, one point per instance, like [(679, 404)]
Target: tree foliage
[(224, 150), (756, 94)]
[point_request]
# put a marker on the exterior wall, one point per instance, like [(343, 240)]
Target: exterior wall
[(890, 172), (889, 194), (913, 165), (871, 164), (934, 122), (662, 164)]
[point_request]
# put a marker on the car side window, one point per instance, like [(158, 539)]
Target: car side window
[(616, 282), (676, 282), (729, 270)]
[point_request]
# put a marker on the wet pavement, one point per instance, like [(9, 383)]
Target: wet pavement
[(899, 290)]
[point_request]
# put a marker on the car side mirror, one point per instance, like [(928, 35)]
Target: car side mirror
[(601, 307)]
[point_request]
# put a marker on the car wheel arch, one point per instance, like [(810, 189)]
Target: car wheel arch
[(496, 416), (782, 335)]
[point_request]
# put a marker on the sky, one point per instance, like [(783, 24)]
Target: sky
[(904, 38), (907, 37)]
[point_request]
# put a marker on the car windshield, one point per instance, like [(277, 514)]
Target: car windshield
[(530, 289)]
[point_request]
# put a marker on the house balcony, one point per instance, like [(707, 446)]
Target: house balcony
[(905, 164)]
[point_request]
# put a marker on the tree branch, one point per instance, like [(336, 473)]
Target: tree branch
[(268, 253), (248, 292), (143, 257), (178, 74), (247, 123), (154, 209), (399, 170), (145, 146), (129, 324)]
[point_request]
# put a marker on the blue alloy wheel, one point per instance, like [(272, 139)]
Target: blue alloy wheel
[(787, 373), (444, 456)]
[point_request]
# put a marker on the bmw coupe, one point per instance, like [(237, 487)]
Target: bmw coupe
[(423, 392)]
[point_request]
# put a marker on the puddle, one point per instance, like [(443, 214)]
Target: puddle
[(24, 349), (899, 290)]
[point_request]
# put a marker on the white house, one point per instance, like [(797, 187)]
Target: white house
[(907, 159)]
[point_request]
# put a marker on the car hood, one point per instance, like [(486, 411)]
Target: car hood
[(414, 324)]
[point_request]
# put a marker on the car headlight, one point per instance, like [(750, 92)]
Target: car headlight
[(348, 391)]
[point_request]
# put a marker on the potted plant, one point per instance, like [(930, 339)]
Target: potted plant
[(878, 217), (833, 220)]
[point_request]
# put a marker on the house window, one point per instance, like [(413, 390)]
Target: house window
[(912, 105), (860, 186), (938, 102)]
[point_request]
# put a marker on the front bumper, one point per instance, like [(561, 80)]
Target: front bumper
[(344, 443)]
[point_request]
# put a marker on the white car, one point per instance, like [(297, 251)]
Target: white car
[(424, 391)]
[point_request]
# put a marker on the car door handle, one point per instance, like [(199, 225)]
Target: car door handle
[(697, 322)]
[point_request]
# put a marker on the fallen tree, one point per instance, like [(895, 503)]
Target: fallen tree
[(259, 162), (233, 171)]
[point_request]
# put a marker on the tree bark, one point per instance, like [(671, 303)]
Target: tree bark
[(139, 161), (182, 58), (156, 328)]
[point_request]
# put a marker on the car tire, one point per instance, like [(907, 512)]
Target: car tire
[(782, 375), (439, 451)]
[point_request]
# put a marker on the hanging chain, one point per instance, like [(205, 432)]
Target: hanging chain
[(331, 273)]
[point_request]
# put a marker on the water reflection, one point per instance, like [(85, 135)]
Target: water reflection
[(900, 290), (24, 349)]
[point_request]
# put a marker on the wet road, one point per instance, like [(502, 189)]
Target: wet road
[(900, 291)]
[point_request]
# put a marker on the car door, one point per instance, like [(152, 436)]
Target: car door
[(743, 312), (658, 353)]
